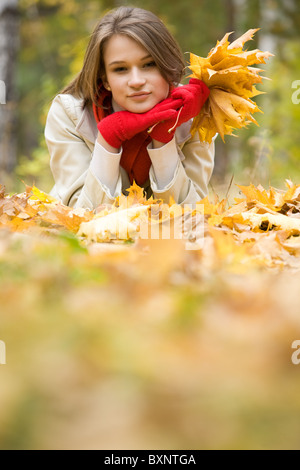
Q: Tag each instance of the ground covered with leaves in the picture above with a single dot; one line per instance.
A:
(131, 342)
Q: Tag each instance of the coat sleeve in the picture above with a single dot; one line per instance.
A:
(76, 185)
(192, 174)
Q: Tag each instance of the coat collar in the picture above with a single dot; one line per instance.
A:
(87, 125)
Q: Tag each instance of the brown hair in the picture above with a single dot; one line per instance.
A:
(142, 26)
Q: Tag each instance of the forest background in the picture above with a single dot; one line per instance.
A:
(45, 43)
(150, 345)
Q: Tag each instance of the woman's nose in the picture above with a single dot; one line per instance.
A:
(136, 79)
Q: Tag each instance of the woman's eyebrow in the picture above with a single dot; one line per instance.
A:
(124, 61)
(149, 56)
(117, 62)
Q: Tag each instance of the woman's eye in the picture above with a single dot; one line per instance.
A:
(124, 69)
(120, 69)
(150, 64)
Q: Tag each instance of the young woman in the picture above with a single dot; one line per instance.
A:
(126, 118)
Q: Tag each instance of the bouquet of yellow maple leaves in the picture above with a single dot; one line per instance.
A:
(228, 73)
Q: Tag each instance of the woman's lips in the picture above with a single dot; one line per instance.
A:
(139, 96)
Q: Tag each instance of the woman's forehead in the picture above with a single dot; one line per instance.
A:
(122, 48)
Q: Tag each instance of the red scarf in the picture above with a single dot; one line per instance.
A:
(135, 158)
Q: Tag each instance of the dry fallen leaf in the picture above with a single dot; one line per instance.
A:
(238, 236)
(36, 209)
(123, 224)
(121, 345)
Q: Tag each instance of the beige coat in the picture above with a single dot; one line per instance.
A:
(71, 134)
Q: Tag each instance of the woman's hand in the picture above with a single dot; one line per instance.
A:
(193, 97)
(123, 125)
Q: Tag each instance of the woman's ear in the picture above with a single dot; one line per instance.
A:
(106, 84)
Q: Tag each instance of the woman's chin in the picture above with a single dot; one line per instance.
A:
(139, 109)
(135, 107)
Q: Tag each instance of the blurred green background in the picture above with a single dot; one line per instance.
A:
(53, 35)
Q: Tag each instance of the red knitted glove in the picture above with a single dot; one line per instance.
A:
(123, 125)
(194, 96)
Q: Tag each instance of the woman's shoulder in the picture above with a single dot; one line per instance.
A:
(70, 104)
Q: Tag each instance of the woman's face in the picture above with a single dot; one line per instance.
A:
(132, 75)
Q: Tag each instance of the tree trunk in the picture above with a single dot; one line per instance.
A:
(223, 150)
(9, 42)
(230, 6)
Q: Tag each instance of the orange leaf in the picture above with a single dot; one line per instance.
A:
(228, 74)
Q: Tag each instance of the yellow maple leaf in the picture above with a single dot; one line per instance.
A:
(121, 224)
(40, 196)
(228, 74)
(136, 195)
(278, 221)
(258, 194)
